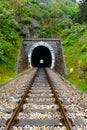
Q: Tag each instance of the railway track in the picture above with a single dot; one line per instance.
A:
(39, 106)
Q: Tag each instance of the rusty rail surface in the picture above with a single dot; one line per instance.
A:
(11, 121)
(66, 119)
(18, 108)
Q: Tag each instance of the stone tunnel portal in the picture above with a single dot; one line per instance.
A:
(41, 57)
(41, 53)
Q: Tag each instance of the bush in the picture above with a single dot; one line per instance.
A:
(74, 34)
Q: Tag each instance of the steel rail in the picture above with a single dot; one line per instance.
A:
(18, 108)
(66, 120)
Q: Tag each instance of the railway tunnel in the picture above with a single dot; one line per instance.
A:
(41, 57)
(41, 53)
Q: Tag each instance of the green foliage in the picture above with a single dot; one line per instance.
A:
(34, 1)
(6, 73)
(74, 34)
(47, 32)
(4, 50)
(71, 9)
(82, 13)
(64, 23)
(84, 48)
(76, 56)
(53, 19)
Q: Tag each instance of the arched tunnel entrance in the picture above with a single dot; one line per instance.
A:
(41, 57)
(41, 54)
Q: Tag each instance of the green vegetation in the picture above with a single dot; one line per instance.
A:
(52, 19)
(81, 16)
(76, 56)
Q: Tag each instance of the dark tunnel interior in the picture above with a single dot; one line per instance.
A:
(41, 57)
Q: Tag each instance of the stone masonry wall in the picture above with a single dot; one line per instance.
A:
(22, 62)
(26, 45)
(60, 66)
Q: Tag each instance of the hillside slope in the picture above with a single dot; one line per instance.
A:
(75, 47)
(43, 19)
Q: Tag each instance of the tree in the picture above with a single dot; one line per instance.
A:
(82, 14)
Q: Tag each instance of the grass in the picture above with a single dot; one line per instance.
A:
(76, 58)
(80, 83)
(6, 74)
(8, 68)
